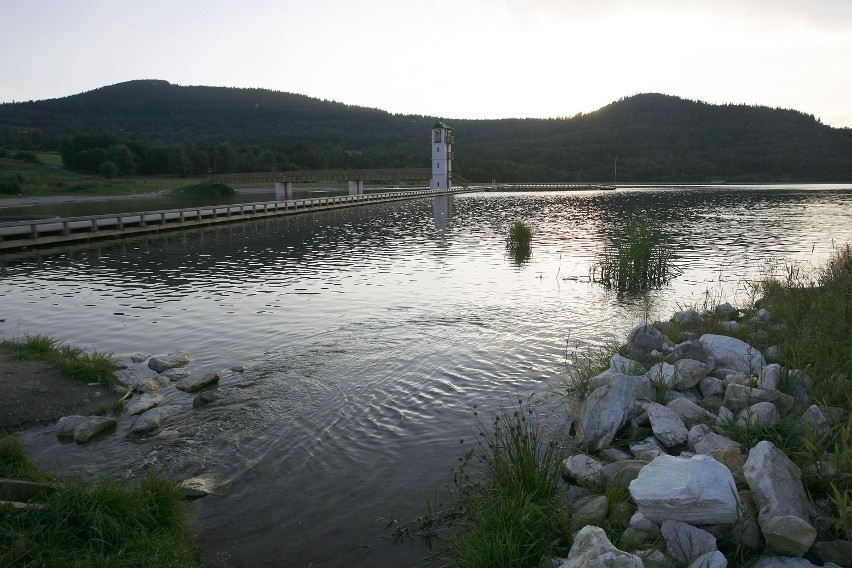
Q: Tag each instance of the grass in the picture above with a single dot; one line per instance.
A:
(73, 361)
(24, 178)
(14, 463)
(519, 242)
(638, 258)
(204, 188)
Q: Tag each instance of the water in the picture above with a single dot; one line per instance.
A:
(368, 334)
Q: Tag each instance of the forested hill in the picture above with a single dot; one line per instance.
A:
(151, 126)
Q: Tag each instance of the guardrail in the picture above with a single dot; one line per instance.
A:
(43, 232)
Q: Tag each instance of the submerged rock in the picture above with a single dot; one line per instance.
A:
(198, 381)
(161, 363)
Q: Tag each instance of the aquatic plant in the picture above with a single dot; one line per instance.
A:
(637, 258)
(73, 361)
(519, 242)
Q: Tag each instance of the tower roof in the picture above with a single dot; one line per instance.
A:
(440, 124)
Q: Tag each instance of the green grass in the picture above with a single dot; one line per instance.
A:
(637, 258)
(15, 464)
(519, 242)
(75, 362)
(22, 178)
(204, 188)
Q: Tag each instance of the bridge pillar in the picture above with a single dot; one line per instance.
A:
(283, 190)
(356, 187)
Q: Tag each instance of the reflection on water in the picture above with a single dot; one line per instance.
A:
(368, 332)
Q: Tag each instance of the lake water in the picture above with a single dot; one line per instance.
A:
(368, 333)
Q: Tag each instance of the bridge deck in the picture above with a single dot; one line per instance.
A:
(30, 233)
(402, 174)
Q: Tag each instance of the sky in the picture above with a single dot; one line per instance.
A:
(447, 58)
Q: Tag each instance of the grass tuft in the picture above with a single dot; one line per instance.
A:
(76, 363)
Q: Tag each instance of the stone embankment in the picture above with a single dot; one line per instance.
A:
(690, 484)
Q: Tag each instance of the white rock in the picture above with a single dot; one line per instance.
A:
(592, 548)
(624, 366)
(160, 363)
(759, 414)
(197, 381)
(770, 377)
(711, 386)
(732, 353)
(776, 483)
(690, 413)
(66, 425)
(648, 449)
(666, 425)
(685, 543)
(687, 317)
(790, 535)
(662, 373)
(713, 559)
(698, 490)
(689, 372)
(696, 434)
(584, 468)
(726, 311)
(726, 416)
(91, 427)
(713, 441)
(605, 410)
(144, 403)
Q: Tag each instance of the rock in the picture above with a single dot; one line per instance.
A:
(592, 548)
(66, 425)
(777, 487)
(643, 340)
(139, 357)
(696, 434)
(691, 349)
(698, 490)
(713, 441)
(740, 397)
(647, 450)
(93, 426)
(198, 381)
(772, 353)
(662, 373)
(761, 414)
(762, 316)
(605, 410)
(690, 413)
(653, 558)
(711, 386)
(614, 455)
(639, 529)
(770, 377)
(746, 531)
(733, 458)
(589, 511)
(202, 485)
(785, 562)
(150, 384)
(789, 535)
(178, 373)
(144, 403)
(726, 311)
(713, 559)
(837, 551)
(731, 326)
(687, 317)
(689, 372)
(624, 366)
(666, 425)
(685, 543)
(583, 468)
(152, 419)
(622, 472)
(732, 353)
(204, 398)
(160, 363)
(238, 368)
(725, 417)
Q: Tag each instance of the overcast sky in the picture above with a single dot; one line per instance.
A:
(446, 58)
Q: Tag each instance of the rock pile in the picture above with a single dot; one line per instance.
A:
(689, 482)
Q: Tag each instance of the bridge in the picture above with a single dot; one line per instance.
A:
(284, 180)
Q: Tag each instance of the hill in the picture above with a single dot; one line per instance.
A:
(152, 126)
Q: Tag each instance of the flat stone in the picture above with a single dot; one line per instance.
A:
(739, 397)
(150, 384)
(152, 419)
(177, 373)
(66, 425)
(583, 468)
(93, 426)
(198, 381)
(666, 425)
(144, 403)
(732, 353)
(592, 548)
(202, 485)
(685, 543)
(160, 363)
(698, 490)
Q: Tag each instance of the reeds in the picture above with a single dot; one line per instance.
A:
(519, 242)
(637, 258)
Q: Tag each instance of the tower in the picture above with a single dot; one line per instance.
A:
(442, 157)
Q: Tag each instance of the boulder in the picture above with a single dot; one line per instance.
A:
(622, 472)
(592, 548)
(624, 366)
(66, 425)
(150, 384)
(685, 543)
(689, 372)
(648, 449)
(776, 484)
(691, 349)
(152, 419)
(605, 410)
(690, 413)
(733, 458)
(583, 468)
(769, 377)
(161, 363)
(711, 386)
(837, 551)
(639, 529)
(204, 398)
(197, 381)
(666, 425)
(687, 317)
(91, 427)
(732, 353)
(698, 490)
(589, 511)
(713, 559)
(788, 534)
(178, 373)
(761, 414)
(696, 434)
(20, 490)
(143, 404)
(726, 311)
(713, 441)
(645, 343)
(662, 373)
(739, 397)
